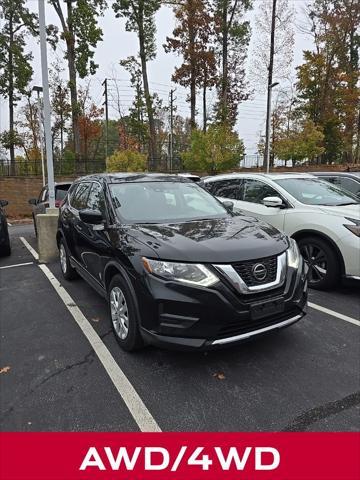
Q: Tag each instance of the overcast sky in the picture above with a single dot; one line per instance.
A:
(118, 44)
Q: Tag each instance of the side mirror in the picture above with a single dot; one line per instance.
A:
(93, 217)
(3, 203)
(228, 205)
(274, 202)
(33, 201)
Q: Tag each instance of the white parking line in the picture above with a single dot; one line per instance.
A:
(334, 314)
(29, 247)
(135, 405)
(17, 265)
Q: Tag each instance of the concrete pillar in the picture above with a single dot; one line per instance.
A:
(47, 225)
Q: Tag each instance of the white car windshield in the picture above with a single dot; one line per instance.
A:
(313, 191)
(164, 202)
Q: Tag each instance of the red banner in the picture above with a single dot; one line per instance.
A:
(180, 456)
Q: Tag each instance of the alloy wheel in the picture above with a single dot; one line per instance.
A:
(119, 313)
(63, 258)
(317, 261)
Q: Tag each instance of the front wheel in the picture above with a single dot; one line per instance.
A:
(323, 262)
(123, 314)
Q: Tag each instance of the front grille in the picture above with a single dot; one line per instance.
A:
(240, 327)
(245, 270)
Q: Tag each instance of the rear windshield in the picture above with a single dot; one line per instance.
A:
(164, 202)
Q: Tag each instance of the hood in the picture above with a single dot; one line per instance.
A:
(224, 240)
(352, 211)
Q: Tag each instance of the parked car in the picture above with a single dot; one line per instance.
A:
(322, 218)
(190, 176)
(178, 268)
(349, 181)
(5, 248)
(41, 203)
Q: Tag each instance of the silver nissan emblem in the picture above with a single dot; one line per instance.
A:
(259, 272)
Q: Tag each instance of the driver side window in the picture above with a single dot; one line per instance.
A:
(255, 191)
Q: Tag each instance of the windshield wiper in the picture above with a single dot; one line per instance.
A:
(344, 204)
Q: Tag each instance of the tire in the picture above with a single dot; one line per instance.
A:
(323, 262)
(35, 227)
(123, 314)
(69, 273)
(6, 251)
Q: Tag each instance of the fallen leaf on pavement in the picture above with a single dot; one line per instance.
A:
(219, 375)
(4, 369)
(96, 319)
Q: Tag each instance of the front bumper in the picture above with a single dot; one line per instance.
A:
(181, 317)
(349, 246)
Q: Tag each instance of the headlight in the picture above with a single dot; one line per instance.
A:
(293, 254)
(193, 274)
(353, 228)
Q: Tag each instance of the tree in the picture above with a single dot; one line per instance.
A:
(15, 67)
(192, 38)
(305, 143)
(126, 161)
(283, 44)
(216, 150)
(140, 18)
(90, 121)
(232, 39)
(328, 79)
(61, 108)
(81, 33)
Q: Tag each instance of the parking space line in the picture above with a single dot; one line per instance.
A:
(132, 400)
(334, 314)
(17, 265)
(30, 248)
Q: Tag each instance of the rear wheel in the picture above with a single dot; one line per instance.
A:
(123, 314)
(323, 262)
(69, 273)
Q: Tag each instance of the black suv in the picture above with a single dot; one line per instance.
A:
(5, 248)
(177, 266)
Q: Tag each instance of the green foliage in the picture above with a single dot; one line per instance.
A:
(126, 161)
(17, 22)
(219, 149)
(303, 144)
(140, 18)
(81, 26)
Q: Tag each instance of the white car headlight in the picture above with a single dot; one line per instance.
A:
(193, 274)
(293, 254)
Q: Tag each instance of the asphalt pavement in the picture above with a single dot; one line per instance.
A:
(52, 378)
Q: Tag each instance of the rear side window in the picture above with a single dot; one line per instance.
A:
(255, 191)
(78, 200)
(225, 188)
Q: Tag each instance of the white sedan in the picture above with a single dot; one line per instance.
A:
(322, 218)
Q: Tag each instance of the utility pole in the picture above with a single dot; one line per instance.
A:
(39, 107)
(105, 85)
(171, 149)
(46, 100)
(269, 88)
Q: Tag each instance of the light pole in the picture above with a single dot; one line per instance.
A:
(46, 100)
(38, 90)
(268, 125)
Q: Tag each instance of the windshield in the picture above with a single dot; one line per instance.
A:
(164, 202)
(313, 191)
